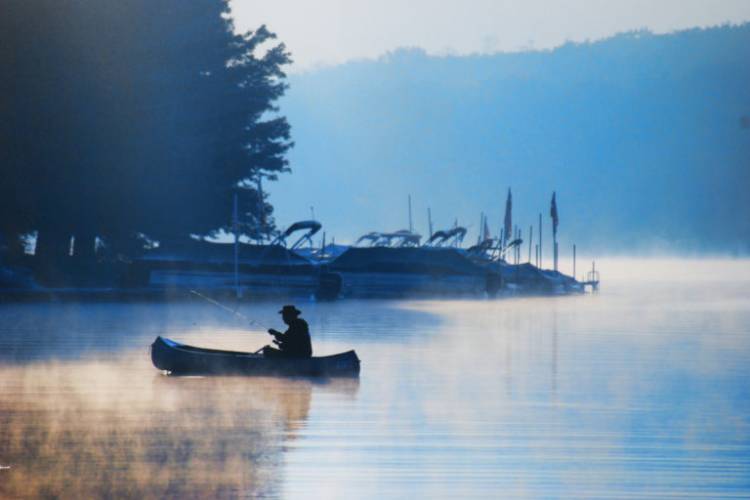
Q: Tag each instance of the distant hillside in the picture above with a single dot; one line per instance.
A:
(646, 139)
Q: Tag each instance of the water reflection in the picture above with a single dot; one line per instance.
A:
(89, 430)
(641, 391)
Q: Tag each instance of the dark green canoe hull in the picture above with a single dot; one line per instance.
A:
(180, 359)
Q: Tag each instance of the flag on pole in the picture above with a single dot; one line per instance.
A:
(508, 218)
(553, 214)
(480, 236)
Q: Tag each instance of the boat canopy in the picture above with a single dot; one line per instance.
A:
(439, 238)
(397, 239)
(311, 226)
(488, 245)
(372, 237)
(514, 243)
(402, 238)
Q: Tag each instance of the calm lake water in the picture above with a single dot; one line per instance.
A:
(640, 391)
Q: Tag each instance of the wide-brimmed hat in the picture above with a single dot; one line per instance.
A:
(291, 310)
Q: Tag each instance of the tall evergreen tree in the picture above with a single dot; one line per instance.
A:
(120, 118)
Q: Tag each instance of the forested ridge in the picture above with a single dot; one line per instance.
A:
(645, 138)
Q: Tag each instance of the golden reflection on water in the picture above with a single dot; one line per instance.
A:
(108, 430)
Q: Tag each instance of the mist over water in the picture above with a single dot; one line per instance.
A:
(640, 391)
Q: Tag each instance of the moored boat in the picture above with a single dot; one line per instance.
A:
(251, 270)
(395, 265)
(181, 359)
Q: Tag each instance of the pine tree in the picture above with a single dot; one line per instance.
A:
(129, 118)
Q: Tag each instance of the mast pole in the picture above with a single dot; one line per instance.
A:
(411, 226)
(518, 247)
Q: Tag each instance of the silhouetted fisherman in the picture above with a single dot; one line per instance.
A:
(295, 341)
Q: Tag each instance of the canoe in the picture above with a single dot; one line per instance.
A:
(183, 359)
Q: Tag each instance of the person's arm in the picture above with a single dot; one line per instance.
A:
(275, 333)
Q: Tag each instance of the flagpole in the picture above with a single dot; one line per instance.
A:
(540, 240)
(531, 236)
(555, 221)
(574, 261)
(481, 228)
(502, 247)
(555, 253)
(508, 220)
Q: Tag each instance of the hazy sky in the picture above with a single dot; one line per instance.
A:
(324, 32)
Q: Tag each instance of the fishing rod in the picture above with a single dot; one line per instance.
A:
(229, 309)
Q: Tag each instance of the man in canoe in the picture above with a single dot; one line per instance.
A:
(295, 341)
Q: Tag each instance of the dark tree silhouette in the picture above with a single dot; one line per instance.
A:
(129, 118)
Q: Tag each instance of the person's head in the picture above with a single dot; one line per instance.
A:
(289, 313)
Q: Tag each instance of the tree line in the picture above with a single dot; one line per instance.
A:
(131, 121)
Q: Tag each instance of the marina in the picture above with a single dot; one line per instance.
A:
(378, 265)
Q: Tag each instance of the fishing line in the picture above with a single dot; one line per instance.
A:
(236, 313)
(229, 309)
